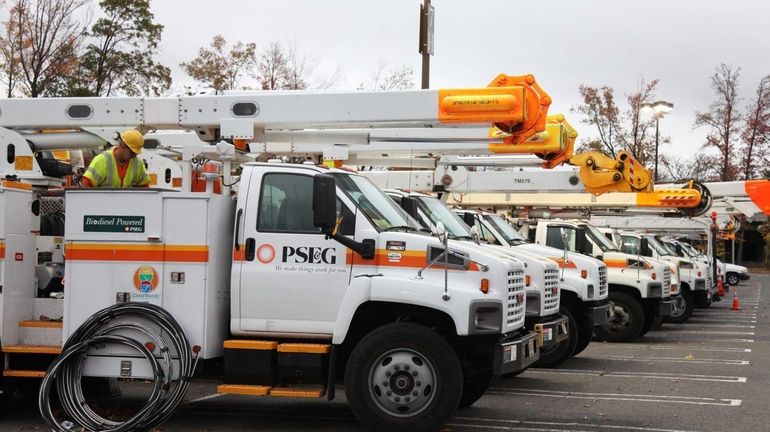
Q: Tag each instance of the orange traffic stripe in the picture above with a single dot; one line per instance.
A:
(250, 344)
(136, 252)
(23, 373)
(616, 263)
(298, 392)
(2, 249)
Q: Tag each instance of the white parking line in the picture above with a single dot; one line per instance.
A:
(679, 360)
(571, 426)
(707, 332)
(685, 347)
(624, 374)
(729, 326)
(713, 321)
(616, 397)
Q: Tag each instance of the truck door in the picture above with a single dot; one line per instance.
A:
(292, 279)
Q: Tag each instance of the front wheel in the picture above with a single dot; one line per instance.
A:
(585, 332)
(403, 377)
(683, 309)
(556, 354)
(732, 278)
(474, 387)
(627, 319)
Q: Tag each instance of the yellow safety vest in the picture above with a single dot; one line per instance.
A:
(103, 172)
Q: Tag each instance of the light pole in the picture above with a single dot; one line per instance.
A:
(660, 108)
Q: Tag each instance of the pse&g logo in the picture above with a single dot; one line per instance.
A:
(297, 254)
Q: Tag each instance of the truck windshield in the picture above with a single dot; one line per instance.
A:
(659, 248)
(437, 212)
(691, 250)
(378, 207)
(598, 237)
(672, 248)
(506, 230)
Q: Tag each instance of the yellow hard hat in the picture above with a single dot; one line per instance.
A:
(133, 139)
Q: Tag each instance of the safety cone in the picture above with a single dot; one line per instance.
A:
(720, 287)
(736, 303)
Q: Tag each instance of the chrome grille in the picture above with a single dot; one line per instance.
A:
(666, 282)
(602, 281)
(516, 298)
(551, 294)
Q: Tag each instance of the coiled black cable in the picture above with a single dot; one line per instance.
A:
(168, 390)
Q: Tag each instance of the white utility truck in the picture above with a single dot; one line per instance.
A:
(556, 332)
(688, 274)
(307, 277)
(582, 279)
(639, 288)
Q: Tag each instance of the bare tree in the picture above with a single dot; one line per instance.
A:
(301, 69)
(723, 119)
(384, 79)
(49, 37)
(272, 68)
(9, 55)
(221, 69)
(637, 140)
(700, 167)
(756, 132)
(619, 129)
(600, 110)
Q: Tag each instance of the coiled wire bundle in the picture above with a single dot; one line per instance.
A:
(169, 386)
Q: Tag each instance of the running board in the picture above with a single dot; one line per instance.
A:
(313, 392)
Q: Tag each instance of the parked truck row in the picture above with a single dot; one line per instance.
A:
(291, 278)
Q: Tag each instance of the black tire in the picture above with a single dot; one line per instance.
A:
(558, 354)
(585, 332)
(733, 279)
(627, 320)
(414, 359)
(474, 388)
(651, 322)
(684, 310)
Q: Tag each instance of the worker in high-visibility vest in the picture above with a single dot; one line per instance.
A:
(119, 167)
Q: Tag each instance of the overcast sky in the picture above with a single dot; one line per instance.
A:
(563, 43)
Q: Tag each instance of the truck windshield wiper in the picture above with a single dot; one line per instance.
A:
(401, 227)
(461, 237)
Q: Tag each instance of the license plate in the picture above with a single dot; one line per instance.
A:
(509, 353)
(547, 334)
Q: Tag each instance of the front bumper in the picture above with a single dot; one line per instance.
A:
(514, 354)
(744, 276)
(665, 308)
(551, 331)
(600, 313)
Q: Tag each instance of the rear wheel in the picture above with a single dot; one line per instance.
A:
(627, 319)
(403, 377)
(683, 308)
(555, 355)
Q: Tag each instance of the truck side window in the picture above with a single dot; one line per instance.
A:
(553, 238)
(286, 204)
(630, 245)
(486, 235)
(348, 225)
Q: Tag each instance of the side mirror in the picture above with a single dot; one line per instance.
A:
(581, 243)
(324, 202)
(644, 247)
(475, 234)
(440, 231)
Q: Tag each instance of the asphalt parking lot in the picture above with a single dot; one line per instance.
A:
(710, 374)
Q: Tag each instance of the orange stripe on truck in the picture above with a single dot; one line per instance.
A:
(2, 249)
(136, 252)
(616, 263)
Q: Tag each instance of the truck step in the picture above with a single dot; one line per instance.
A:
(41, 324)
(304, 348)
(247, 390)
(250, 344)
(32, 349)
(16, 373)
(307, 391)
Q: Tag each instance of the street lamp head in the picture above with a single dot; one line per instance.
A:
(663, 107)
(646, 108)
